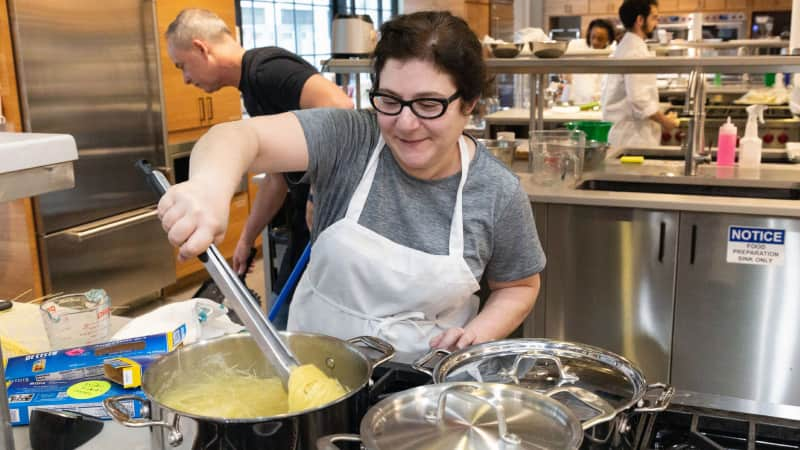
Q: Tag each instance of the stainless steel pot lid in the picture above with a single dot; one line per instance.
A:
(475, 416)
(542, 365)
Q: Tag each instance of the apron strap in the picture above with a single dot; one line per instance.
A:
(359, 198)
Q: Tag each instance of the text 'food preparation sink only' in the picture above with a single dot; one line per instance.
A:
(788, 192)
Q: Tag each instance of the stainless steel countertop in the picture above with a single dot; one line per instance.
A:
(768, 175)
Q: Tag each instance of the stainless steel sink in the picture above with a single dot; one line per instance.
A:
(695, 186)
(674, 153)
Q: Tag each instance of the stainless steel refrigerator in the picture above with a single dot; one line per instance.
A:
(90, 69)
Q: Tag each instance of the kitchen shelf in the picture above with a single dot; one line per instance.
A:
(662, 64)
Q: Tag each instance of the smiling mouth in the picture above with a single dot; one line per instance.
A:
(410, 141)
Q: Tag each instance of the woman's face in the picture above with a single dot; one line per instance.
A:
(424, 148)
(599, 37)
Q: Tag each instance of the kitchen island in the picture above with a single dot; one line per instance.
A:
(693, 278)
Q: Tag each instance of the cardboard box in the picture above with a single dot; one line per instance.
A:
(127, 372)
(86, 362)
(85, 396)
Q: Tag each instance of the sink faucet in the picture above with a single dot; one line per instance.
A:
(693, 148)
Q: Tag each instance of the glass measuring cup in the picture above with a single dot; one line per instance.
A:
(556, 157)
(73, 320)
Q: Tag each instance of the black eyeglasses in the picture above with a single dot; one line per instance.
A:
(424, 108)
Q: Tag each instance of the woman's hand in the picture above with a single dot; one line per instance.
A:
(194, 214)
(454, 339)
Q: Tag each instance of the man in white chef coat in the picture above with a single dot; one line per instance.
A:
(630, 101)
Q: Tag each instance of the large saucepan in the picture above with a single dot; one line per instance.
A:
(297, 431)
(544, 365)
(468, 416)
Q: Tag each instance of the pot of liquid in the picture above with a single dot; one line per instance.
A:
(222, 394)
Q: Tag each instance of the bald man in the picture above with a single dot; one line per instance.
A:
(272, 80)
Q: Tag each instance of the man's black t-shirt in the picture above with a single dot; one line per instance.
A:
(272, 81)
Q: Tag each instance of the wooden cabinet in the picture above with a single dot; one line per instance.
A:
(770, 5)
(19, 263)
(604, 7)
(567, 7)
(477, 14)
(240, 208)
(689, 5)
(667, 6)
(187, 108)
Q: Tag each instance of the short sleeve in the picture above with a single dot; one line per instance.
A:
(282, 80)
(517, 252)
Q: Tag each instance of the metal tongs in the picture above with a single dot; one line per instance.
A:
(241, 301)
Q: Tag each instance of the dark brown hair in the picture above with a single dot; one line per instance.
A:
(441, 38)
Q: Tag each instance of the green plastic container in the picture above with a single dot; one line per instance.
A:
(595, 131)
(769, 79)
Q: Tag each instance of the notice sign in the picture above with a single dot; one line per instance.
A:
(750, 245)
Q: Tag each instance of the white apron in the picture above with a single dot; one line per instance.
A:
(632, 133)
(360, 283)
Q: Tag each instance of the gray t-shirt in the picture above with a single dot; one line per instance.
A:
(500, 236)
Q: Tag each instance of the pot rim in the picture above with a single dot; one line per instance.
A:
(507, 346)
(246, 335)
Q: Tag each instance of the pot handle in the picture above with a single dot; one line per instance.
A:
(328, 442)
(419, 364)
(563, 374)
(605, 412)
(661, 403)
(114, 408)
(471, 393)
(379, 345)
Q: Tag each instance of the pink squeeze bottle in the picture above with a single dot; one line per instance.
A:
(726, 144)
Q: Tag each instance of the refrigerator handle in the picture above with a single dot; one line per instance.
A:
(106, 228)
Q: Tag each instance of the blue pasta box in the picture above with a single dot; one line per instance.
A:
(86, 362)
(83, 396)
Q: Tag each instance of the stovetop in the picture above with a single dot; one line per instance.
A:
(781, 112)
(679, 428)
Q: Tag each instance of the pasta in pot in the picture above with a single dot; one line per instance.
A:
(238, 394)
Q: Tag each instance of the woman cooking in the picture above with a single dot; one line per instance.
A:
(410, 213)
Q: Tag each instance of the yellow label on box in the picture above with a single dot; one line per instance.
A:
(88, 389)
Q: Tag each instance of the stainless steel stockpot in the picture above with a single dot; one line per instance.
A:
(545, 365)
(466, 416)
(169, 427)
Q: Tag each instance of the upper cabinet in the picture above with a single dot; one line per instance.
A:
(770, 5)
(188, 109)
(604, 7)
(567, 7)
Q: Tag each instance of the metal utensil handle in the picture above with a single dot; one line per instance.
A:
(379, 345)
(605, 412)
(241, 301)
(419, 364)
(113, 406)
(563, 374)
(661, 403)
(471, 393)
(328, 442)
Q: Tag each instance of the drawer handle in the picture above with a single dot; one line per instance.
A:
(210, 108)
(661, 242)
(694, 243)
(202, 108)
(83, 235)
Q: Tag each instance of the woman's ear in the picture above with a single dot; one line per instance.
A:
(469, 107)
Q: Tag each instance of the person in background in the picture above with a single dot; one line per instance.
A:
(588, 87)
(272, 80)
(630, 101)
(410, 213)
